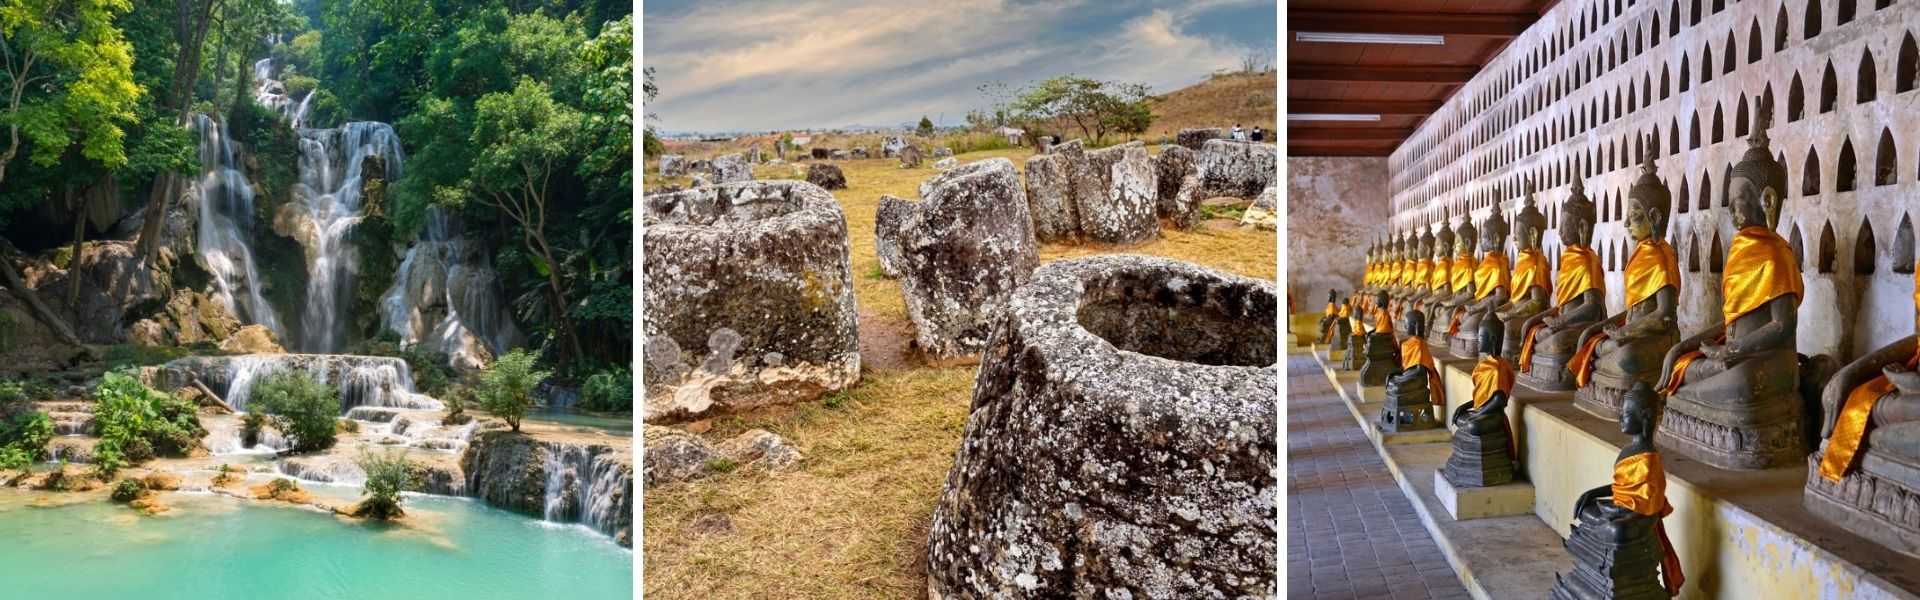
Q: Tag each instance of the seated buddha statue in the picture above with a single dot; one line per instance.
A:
(1619, 541)
(1341, 331)
(1532, 281)
(1628, 347)
(1440, 277)
(1734, 389)
(1327, 318)
(1492, 286)
(1483, 450)
(1381, 353)
(1579, 300)
(1414, 390)
(1358, 328)
(1425, 285)
(1398, 269)
(1447, 308)
(1421, 248)
(1870, 432)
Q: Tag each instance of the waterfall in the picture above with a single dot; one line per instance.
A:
(584, 486)
(446, 296)
(331, 161)
(224, 247)
(377, 381)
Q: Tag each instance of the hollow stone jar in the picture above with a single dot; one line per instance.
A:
(1120, 441)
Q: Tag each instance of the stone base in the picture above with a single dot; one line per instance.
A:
(1387, 437)
(1609, 569)
(1866, 504)
(1464, 503)
(1465, 345)
(1336, 356)
(1548, 373)
(1368, 394)
(1600, 398)
(1775, 442)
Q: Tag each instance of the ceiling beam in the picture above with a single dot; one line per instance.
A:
(1310, 150)
(1363, 107)
(1354, 134)
(1499, 25)
(1427, 74)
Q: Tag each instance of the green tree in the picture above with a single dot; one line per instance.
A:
(506, 388)
(926, 127)
(302, 408)
(1094, 107)
(72, 49)
(388, 473)
(192, 20)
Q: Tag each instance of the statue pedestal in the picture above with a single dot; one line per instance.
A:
(1867, 503)
(1304, 327)
(1602, 396)
(1337, 356)
(1548, 373)
(1465, 503)
(1367, 394)
(1419, 436)
(1768, 437)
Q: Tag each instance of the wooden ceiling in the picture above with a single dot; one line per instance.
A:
(1403, 83)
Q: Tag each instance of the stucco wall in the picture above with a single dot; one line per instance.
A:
(1335, 206)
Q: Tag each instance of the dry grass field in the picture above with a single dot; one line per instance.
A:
(850, 520)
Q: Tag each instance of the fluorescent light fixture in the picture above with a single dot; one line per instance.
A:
(1369, 38)
(1331, 117)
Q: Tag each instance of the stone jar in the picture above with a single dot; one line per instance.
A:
(749, 298)
(1120, 440)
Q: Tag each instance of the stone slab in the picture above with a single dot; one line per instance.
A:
(1468, 503)
(1382, 437)
(1364, 394)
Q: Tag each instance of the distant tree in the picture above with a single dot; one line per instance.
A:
(73, 49)
(652, 146)
(1094, 107)
(926, 127)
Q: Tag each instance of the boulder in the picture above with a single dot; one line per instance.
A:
(699, 181)
(892, 213)
(751, 302)
(1195, 139)
(674, 455)
(1121, 437)
(1238, 169)
(891, 145)
(673, 165)
(1049, 197)
(820, 153)
(860, 152)
(942, 152)
(826, 176)
(963, 248)
(840, 155)
(732, 168)
(909, 157)
(946, 163)
(1115, 196)
(753, 155)
(701, 166)
(1173, 166)
(1262, 214)
(252, 339)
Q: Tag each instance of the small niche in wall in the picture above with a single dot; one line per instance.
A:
(1693, 254)
(1796, 100)
(1886, 161)
(1799, 246)
(1908, 66)
(1812, 27)
(1848, 170)
(1828, 255)
(1864, 249)
(1810, 181)
(1829, 89)
(1868, 86)
(1903, 246)
(1718, 259)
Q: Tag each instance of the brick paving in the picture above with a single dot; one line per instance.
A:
(1351, 532)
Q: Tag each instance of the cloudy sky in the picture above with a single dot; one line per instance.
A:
(745, 65)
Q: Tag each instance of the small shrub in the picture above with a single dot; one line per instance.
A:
(302, 409)
(24, 438)
(506, 388)
(608, 391)
(388, 472)
(136, 423)
(128, 490)
(721, 465)
(281, 485)
(250, 426)
(837, 400)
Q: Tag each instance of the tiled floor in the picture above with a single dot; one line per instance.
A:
(1351, 533)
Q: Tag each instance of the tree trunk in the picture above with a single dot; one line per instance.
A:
(193, 20)
(79, 235)
(40, 310)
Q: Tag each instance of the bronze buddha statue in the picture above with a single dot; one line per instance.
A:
(1445, 319)
(1414, 392)
(1431, 280)
(1734, 398)
(1483, 446)
(1532, 279)
(1870, 432)
(1628, 347)
(1619, 543)
(1549, 338)
(1492, 285)
(1381, 352)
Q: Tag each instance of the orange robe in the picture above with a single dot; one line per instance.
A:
(1579, 271)
(1760, 267)
(1414, 353)
(1494, 374)
(1640, 485)
(1654, 266)
(1850, 429)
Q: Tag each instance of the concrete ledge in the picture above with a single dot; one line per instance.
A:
(1383, 437)
(1467, 503)
(1369, 393)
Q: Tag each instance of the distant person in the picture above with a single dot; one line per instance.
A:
(1238, 134)
(1259, 134)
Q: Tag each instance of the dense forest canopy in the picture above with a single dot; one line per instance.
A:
(515, 116)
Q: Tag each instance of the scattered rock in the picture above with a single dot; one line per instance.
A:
(1195, 139)
(891, 146)
(942, 152)
(892, 213)
(759, 448)
(673, 165)
(732, 168)
(946, 163)
(1174, 166)
(1261, 214)
(839, 155)
(827, 176)
(673, 455)
(751, 297)
(1121, 437)
(698, 181)
(1238, 169)
(283, 490)
(860, 152)
(909, 157)
(820, 153)
(1050, 198)
(161, 481)
(963, 249)
(252, 339)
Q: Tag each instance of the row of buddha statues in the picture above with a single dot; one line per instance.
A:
(1736, 394)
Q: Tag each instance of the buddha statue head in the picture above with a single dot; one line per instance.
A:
(1465, 236)
(1425, 244)
(1636, 409)
(1380, 299)
(1757, 183)
(1443, 241)
(1531, 225)
(1493, 232)
(1416, 323)
(1649, 204)
(1577, 218)
(1492, 333)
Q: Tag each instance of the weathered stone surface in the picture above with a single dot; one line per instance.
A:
(1120, 440)
(753, 155)
(674, 455)
(909, 157)
(860, 152)
(732, 168)
(827, 176)
(946, 163)
(963, 249)
(750, 298)
(942, 152)
(820, 153)
(1115, 196)
(1172, 168)
(1049, 198)
(1195, 139)
(840, 155)
(673, 165)
(699, 181)
(891, 215)
(891, 145)
(1263, 213)
(1238, 169)
(252, 339)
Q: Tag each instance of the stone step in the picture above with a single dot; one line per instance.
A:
(72, 423)
(65, 406)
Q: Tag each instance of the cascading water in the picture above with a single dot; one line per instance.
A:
(584, 486)
(331, 167)
(224, 247)
(446, 297)
(375, 381)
